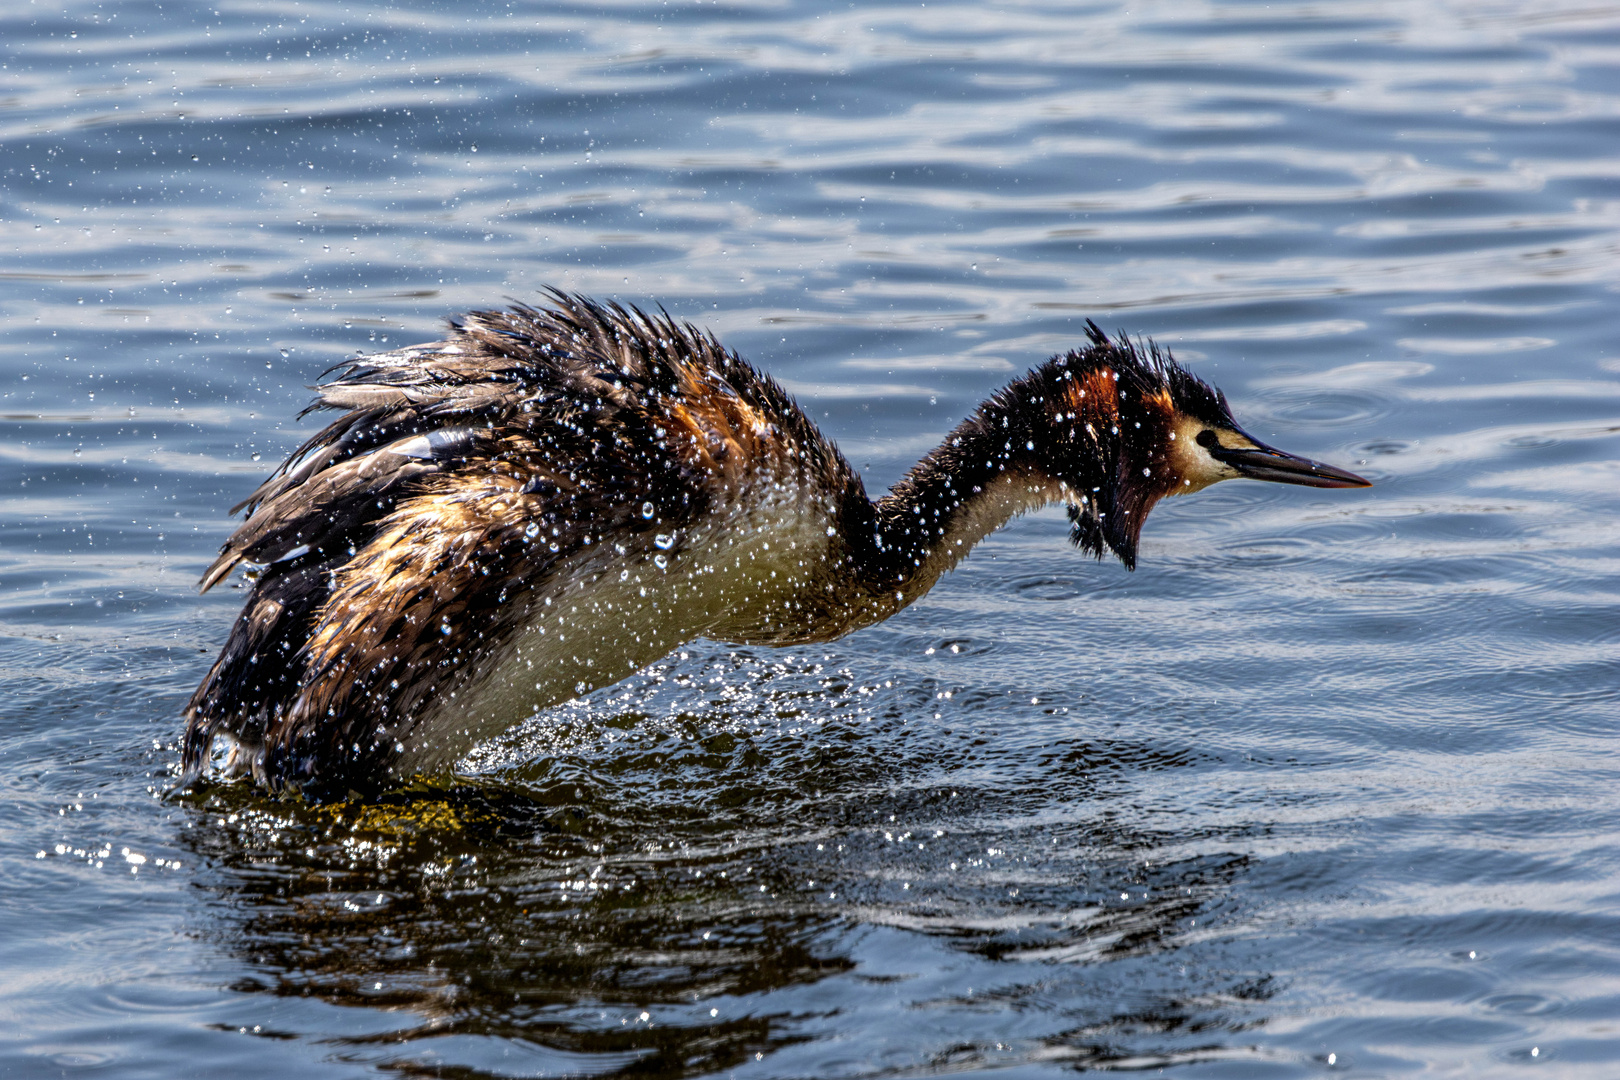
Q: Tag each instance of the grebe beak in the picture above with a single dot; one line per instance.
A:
(1262, 462)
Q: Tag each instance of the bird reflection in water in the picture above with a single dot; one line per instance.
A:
(683, 909)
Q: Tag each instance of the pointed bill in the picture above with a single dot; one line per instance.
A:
(1262, 462)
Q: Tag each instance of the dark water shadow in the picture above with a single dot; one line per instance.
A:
(670, 911)
(477, 910)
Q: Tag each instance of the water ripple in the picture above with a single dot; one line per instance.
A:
(1324, 784)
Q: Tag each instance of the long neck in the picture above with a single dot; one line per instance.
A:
(985, 473)
(1073, 431)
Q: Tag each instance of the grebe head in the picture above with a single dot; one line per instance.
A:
(1123, 425)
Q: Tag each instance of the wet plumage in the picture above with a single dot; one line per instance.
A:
(551, 498)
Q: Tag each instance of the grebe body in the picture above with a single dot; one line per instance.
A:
(551, 498)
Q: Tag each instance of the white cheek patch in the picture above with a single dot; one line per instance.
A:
(1195, 469)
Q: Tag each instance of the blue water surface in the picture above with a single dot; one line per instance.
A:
(1327, 786)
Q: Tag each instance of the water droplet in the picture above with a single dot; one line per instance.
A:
(664, 541)
(661, 562)
(531, 531)
(256, 455)
(646, 509)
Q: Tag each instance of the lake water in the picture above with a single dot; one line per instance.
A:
(1327, 786)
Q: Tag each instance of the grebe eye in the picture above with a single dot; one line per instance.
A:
(1207, 439)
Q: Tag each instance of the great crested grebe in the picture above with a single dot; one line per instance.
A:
(549, 499)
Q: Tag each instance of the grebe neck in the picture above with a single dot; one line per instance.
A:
(985, 473)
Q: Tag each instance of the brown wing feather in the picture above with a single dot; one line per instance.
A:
(409, 619)
(325, 508)
(571, 417)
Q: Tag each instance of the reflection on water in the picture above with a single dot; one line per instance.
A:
(474, 916)
(641, 903)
